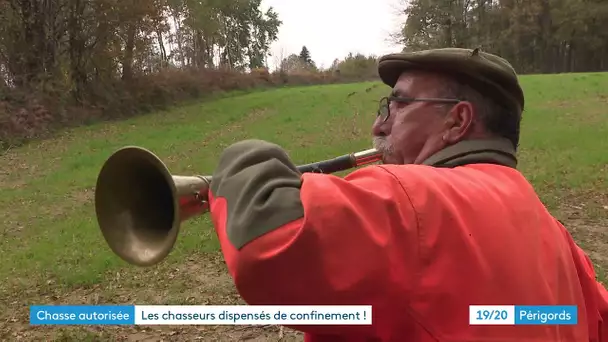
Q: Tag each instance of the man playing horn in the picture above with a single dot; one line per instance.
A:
(446, 221)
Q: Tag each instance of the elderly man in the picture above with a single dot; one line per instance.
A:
(446, 222)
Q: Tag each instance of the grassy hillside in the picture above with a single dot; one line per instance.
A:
(53, 252)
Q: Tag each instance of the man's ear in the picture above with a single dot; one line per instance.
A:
(459, 122)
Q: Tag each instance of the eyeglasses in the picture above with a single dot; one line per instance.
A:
(384, 111)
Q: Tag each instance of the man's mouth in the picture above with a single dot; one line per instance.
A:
(382, 146)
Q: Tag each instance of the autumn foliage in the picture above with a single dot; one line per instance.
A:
(73, 62)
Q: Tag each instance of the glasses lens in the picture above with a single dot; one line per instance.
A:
(383, 109)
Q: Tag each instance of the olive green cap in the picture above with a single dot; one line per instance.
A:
(489, 74)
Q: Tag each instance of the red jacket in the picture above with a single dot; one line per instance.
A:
(418, 243)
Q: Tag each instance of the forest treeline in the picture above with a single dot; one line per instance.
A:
(71, 62)
(536, 36)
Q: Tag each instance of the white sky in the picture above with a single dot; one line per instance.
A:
(331, 29)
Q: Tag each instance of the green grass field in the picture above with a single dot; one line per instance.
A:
(53, 252)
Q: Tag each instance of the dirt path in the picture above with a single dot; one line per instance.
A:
(202, 280)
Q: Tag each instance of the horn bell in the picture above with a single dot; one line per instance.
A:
(140, 205)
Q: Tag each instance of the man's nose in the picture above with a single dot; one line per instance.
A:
(379, 128)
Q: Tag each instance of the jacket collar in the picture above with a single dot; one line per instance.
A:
(483, 151)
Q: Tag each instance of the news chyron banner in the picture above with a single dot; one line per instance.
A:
(199, 315)
(276, 315)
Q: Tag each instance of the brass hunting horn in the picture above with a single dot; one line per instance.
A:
(140, 205)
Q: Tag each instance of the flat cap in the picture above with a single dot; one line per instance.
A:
(489, 74)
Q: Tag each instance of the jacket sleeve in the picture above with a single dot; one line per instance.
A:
(312, 239)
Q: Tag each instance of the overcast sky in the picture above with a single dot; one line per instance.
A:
(332, 28)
